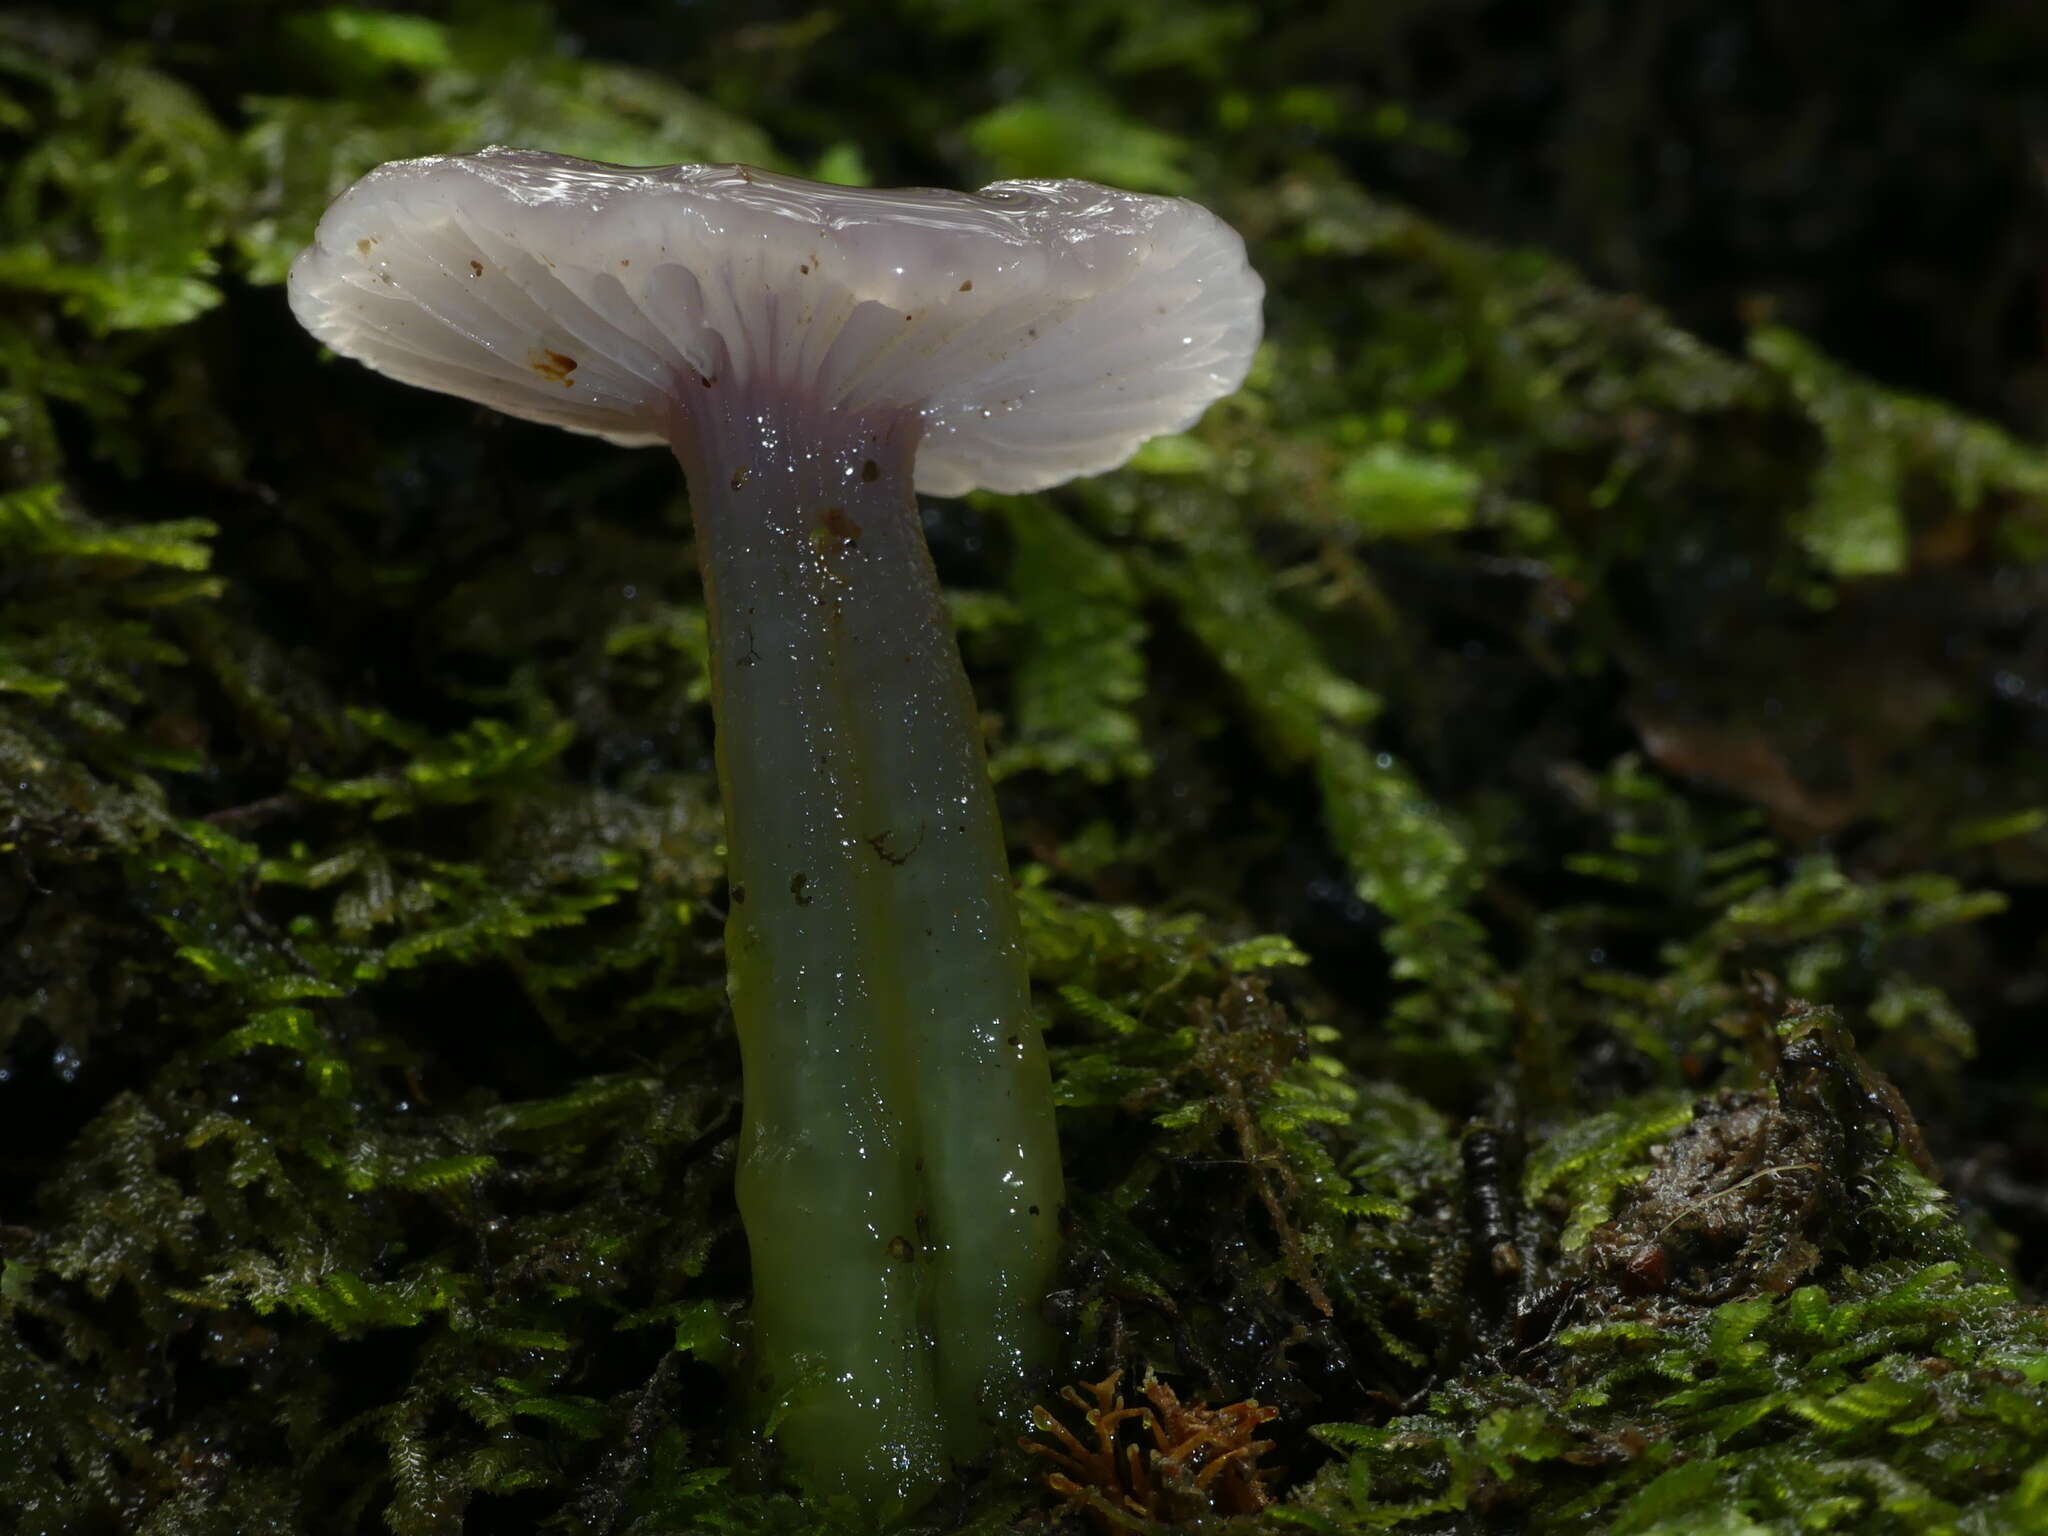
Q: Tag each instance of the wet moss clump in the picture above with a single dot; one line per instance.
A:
(1531, 826)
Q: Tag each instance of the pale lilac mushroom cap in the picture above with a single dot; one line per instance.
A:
(1043, 330)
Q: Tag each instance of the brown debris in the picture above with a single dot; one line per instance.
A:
(1199, 1460)
(1752, 1195)
(1734, 1205)
(1746, 762)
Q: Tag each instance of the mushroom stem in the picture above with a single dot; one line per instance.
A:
(899, 1178)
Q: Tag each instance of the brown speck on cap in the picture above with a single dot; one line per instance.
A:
(556, 367)
(1118, 316)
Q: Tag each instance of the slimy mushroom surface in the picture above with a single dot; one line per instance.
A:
(1040, 330)
(812, 355)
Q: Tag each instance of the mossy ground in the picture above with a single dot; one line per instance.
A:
(1532, 830)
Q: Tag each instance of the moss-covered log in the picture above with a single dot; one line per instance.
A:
(1531, 826)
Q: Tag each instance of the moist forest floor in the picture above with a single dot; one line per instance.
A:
(1532, 819)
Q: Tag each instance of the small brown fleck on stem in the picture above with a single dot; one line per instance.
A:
(476, 269)
(836, 524)
(739, 895)
(882, 843)
(833, 537)
(741, 476)
(870, 471)
(968, 286)
(804, 267)
(799, 887)
(902, 1250)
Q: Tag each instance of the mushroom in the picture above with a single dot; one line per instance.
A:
(811, 353)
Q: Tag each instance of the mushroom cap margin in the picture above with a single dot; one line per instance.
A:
(1043, 329)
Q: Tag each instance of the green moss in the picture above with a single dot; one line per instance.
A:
(1458, 833)
(1080, 666)
(1801, 1412)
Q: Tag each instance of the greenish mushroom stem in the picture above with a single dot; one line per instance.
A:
(899, 1176)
